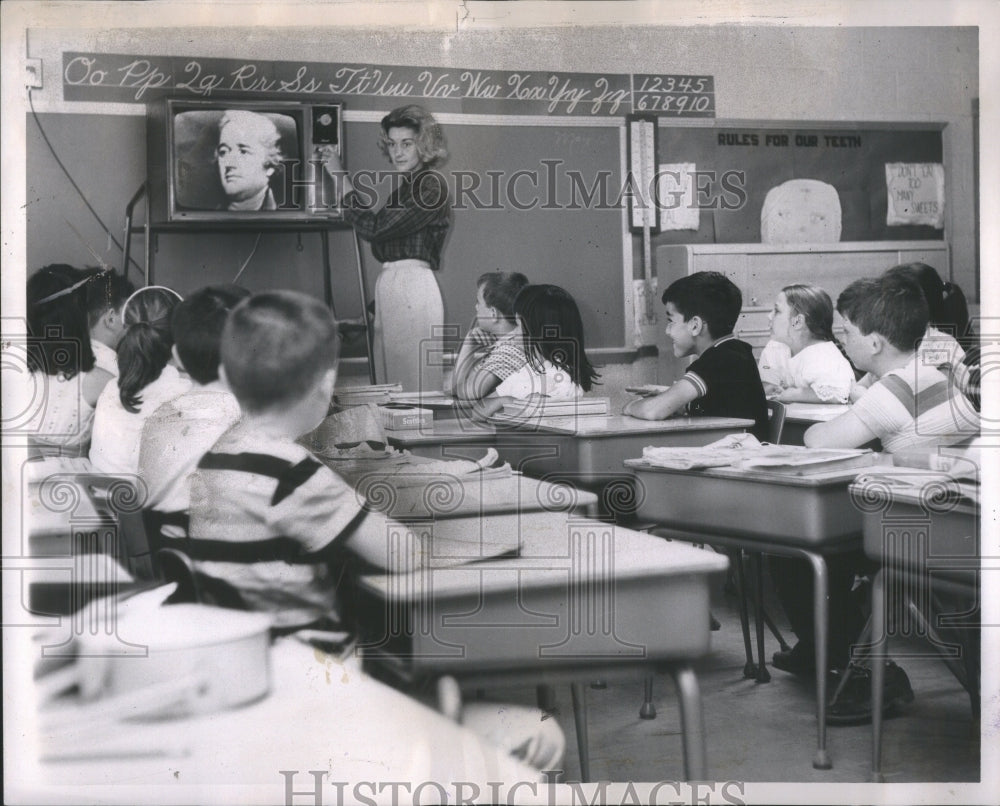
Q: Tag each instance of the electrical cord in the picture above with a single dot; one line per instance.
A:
(76, 187)
(246, 262)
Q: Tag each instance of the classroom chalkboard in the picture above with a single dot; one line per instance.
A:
(521, 202)
(851, 158)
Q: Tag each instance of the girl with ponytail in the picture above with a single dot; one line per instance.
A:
(147, 378)
(816, 371)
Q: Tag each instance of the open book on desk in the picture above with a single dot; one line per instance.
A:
(444, 552)
(781, 459)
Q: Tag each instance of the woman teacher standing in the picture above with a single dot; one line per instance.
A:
(407, 235)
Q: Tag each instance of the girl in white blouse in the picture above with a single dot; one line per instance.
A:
(557, 367)
(815, 371)
(146, 379)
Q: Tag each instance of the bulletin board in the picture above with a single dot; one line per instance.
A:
(851, 158)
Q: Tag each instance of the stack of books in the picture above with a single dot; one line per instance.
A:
(377, 394)
(543, 407)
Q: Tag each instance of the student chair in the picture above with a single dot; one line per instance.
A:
(776, 413)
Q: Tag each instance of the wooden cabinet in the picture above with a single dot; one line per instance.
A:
(762, 270)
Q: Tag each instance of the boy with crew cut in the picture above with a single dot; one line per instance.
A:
(912, 406)
(275, 523)
(180, 431)
(723, 380)
(266, 515)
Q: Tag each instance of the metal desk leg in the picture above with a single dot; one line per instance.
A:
(878, 669)
(763, 676)
(692, 722)
(736, 558)
(648, 709)
(580, 717)
(821, 608)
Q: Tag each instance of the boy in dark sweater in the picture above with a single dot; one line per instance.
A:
(723, 380)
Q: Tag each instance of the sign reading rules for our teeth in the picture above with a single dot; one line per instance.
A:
(915, 192)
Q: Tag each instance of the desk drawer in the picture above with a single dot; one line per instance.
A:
(802, 515)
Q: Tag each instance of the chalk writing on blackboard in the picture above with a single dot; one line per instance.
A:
(121, 78)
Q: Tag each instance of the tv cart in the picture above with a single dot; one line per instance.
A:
(346, 326)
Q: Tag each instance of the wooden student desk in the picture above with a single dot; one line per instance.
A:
(925, 536)
(583, 600)
(589, 451)
(321, 714)
(445, 439)
(800, 416)
(801, 516)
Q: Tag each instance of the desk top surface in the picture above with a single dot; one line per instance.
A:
(830, 478)
(443, 432)
(814, 412)
(550, 547)
(320, 709)
(613, 425)
(473, 495)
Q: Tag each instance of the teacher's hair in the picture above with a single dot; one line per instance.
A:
(431, 145)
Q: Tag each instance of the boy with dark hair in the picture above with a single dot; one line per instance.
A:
(107, 291)
(912, 405)
(723, 381)
(180, 431)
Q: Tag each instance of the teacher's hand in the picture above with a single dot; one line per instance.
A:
(335, 167)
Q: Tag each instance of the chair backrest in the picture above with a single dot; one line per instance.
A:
(120, 497)
(775, 421)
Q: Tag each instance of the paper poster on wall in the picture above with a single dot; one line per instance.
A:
(676, 196)
(915, 192)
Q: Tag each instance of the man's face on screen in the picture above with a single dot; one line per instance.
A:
(242, 157)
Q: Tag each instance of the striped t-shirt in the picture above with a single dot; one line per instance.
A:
(917, 407)
(264, 511)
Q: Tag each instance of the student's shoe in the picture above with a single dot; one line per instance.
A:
(800, 659)
(853, 705)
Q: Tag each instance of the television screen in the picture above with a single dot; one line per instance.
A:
(240, 160)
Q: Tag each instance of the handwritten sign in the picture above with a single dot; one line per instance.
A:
(119, 78)
(915, 193)
(675, 194)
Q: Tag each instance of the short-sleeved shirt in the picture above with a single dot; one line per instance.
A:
(822, 368)
(773, 362)
(506, 355)
(546, 379)
(117, 432)
(174, 439)
(728, 384)
(264, 514)
(104, 357)
(916, 407)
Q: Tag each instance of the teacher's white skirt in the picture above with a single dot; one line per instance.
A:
(409, 317)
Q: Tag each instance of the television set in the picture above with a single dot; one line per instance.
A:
(232, 160)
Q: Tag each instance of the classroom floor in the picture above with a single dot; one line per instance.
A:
(767, 732)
